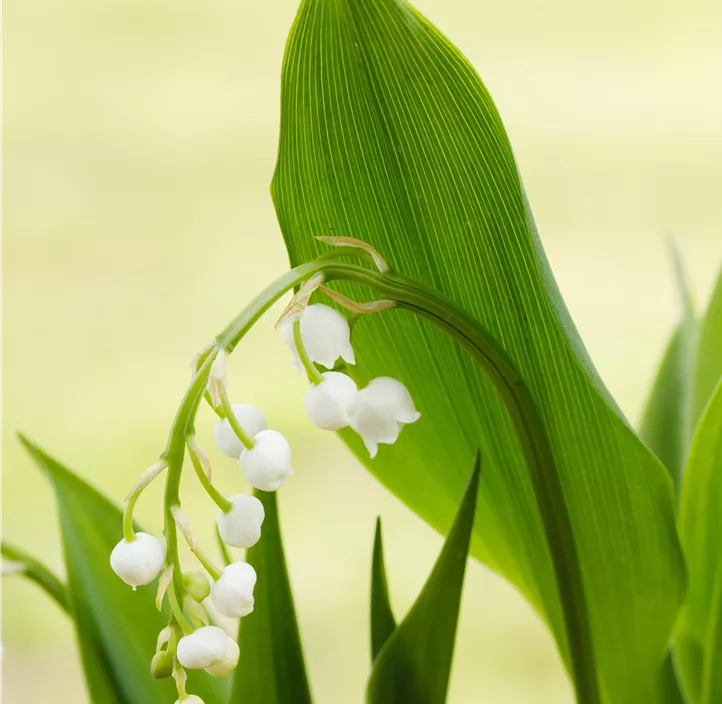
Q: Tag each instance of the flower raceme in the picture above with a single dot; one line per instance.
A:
(316, 334)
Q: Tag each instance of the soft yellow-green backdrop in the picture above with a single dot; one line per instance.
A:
(140, 140)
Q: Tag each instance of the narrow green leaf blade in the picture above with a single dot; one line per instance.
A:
(415, 664)
(37, 572)
(712, 672)
(668, 686)
(700, 528)
(383, 623)
(116, 627)
(271, 667)
(388, 135)
(666, 424)
(709, 353)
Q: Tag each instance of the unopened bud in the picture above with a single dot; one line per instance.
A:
(196, 584)
(161, 665)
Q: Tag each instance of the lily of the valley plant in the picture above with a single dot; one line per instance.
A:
(425, 316)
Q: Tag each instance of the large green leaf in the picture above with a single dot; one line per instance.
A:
(388, 135)
(271, 669)
(116, 627)
(414, 665)
(700, 528)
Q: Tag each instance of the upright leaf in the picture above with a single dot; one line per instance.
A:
(383, 623)
(116, 627)
(666, 424)
(700, 528)
(37, 572)
(270, 669)
(709, 353)
(414, 665)
(388, 135)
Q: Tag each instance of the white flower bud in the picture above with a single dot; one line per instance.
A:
(325, 334)
(250, 418)
(232, 592)
(329, 403)
(190, 699)
(381, 410)
(203, 648)
(241, 526)
(228, 663)
(267, 465)
(138, 562)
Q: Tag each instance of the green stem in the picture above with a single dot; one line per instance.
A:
(243, 436)
(221, 501)
(37, 572)
(314, 375)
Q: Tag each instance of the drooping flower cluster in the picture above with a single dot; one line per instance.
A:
(320, 335)
(377, 412)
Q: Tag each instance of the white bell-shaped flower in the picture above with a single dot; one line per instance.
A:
(250, 418)
(325, 334)
(329, 403)
(205, 647)
(232, 592)
(267, 465)
(381, 410)
(228, 663)
(241, 526)
(190, 699)
(138, 562)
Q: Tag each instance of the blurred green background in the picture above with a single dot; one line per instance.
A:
(140, 139)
